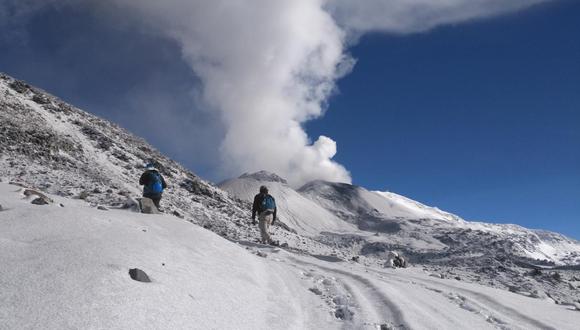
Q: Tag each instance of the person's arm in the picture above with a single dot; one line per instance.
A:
(143, 179)
(254, 208)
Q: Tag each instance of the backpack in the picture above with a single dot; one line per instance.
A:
(268, 204)
(155, 185)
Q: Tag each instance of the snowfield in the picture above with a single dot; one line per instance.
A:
(66, 267)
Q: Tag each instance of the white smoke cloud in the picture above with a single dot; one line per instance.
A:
(268, 66)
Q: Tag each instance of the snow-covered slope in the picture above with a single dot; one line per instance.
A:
(66, 265)
(53, 146)
(298, 212)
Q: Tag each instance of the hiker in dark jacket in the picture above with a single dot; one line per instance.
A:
(265, 207)
(153, 184)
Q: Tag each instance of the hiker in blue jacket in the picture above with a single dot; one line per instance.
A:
(265, 207)
(153, 184)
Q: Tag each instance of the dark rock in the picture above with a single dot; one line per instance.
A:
(343, 313)
(1, 207)
(39, 201)
(196, 187)
(139, 275)
(316, 291)
(177, 214)
(97, 191)
(19, 86)
(102, 208)
(355, 258)
(284, 245)
(40, 99)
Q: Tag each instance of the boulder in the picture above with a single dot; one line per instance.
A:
(41, 199)
(394, 260)
(147, 206)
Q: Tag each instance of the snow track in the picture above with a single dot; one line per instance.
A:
(410, 299)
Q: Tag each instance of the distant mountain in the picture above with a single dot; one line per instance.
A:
(297, 211)
(377, 222)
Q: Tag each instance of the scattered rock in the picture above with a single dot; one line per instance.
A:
(355, 258)
(102, 208)
(177, 214)
(316, 291)
(19, 86)
(61, 204)
(84, 194)
(97, 191)
(343, 313)
(458, 278)
(40, 99)
(39, 201)
(39, 195)
(131, 204)
(147, 206)
(139, 275)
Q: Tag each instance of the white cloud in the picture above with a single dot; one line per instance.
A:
(267, 66)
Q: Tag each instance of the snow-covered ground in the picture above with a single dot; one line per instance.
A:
(66, 265)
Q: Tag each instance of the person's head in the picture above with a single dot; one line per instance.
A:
(263, 190)
(150, 167)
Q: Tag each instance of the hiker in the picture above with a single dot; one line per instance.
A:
(265, 207)
(153, 184)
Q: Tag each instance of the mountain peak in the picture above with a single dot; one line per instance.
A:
(264, 176)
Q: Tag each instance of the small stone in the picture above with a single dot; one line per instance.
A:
(284, 245)
(61, 204)
(139, 275)
(97, 191)
(261, 254)
(102, 208)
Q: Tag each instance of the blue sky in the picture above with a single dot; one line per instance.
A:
(481, 119)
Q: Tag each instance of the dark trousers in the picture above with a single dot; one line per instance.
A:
(156, 198)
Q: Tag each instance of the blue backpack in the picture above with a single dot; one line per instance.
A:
(268, 203)
(155, 186)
